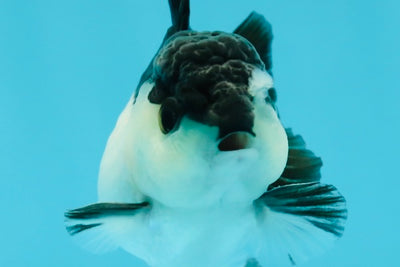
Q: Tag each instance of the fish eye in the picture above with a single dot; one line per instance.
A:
(167, 120)
(169, 115)
(271, 97)
(272, 94)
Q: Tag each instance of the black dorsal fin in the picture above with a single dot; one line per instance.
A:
(258, 31)
(180, 12)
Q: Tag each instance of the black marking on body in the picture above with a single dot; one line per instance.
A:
(205, 75)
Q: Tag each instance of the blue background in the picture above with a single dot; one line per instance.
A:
(67, 68)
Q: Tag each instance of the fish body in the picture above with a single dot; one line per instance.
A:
(199, 170)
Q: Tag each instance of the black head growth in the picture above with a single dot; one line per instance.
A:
(205, 75)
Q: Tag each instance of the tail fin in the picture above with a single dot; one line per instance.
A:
(99, 227)
(300, 220)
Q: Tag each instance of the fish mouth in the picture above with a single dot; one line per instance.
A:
(235, 141)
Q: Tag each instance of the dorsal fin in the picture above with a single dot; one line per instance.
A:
(258, 31)
(180, 12)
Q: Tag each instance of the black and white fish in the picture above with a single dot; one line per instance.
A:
(199, 170)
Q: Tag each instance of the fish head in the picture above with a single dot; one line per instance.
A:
(206, 126)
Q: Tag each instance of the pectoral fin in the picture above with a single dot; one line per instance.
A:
(300, 220)
(99, 227)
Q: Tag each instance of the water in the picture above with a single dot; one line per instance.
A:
(67, 69)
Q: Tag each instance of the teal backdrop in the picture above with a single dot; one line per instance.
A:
(67, 68)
